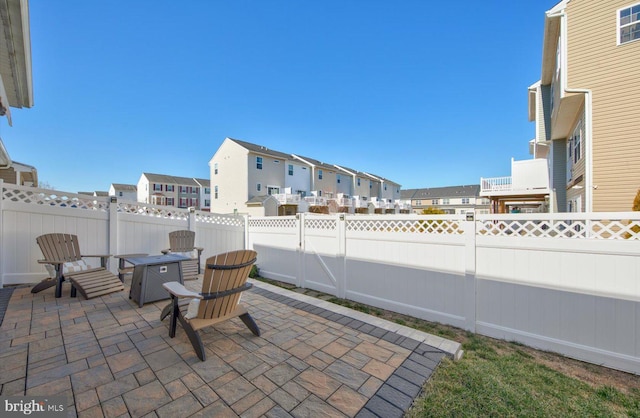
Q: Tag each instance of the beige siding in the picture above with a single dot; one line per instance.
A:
(612, 73)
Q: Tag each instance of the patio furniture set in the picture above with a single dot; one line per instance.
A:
(158, 277)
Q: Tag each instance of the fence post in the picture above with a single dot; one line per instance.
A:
(113, 231)
(470, 272)
(191, 225)
(301, 250)
(341, 276)
(247, 244)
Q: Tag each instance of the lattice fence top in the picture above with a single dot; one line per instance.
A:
(319, 223)
(153, 211)
(54, 198)
(414, 226)
(273, 222)
(558, 228)
(212, 218)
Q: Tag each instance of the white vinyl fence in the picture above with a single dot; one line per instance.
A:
(568, 283)
(102, 227)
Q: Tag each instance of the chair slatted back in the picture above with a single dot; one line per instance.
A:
(62, 247)
(182, 241)
(237, 266)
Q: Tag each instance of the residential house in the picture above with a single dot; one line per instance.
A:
(585, 105)
(166, 190)
(450, 199)
(16, 81)
(205, 194)
(242, 174)
(124, 191)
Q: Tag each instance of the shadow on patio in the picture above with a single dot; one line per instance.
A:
(110, 358)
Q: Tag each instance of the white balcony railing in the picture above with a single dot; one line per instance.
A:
(527, 177)
(344, 202)
(287, 198)
(316, 201)
(495, 184)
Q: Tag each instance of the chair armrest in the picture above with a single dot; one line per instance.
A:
(200, 249)
(178, 290)
(96, 255)
(51, 261)
(208, 296)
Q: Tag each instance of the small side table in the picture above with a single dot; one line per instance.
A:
(149, 273)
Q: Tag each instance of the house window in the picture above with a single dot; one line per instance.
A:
(169, 187)
(465, 200)
(259, 163)
(170, 201)
(215, 168)
(319, 174)
(385, 187)
(338, 178)
(157, 187)
(435, 201)
(418, 202)
(215, 192)
(358, 181)
(120, 194)
(574, 148)
(276, 161)
(183, 202)
(629, 24)
(207, 203)
(207, 190)
(258, 187)
(273, 190)
(576, 139)
(291, 169)
(370, 184)
(445, 201)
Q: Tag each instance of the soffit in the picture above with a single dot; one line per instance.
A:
(15, 53)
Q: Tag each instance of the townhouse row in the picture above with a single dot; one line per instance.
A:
(253, 179)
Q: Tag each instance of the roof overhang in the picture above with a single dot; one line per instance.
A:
(565, 118)
(15, 54)
(550, 41)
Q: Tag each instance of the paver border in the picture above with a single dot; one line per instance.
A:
(398, 392)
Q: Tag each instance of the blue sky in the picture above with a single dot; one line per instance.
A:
(421, 92)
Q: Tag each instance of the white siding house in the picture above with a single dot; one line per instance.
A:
(242, 174)
(124, 191)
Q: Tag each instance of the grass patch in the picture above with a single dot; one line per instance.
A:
(498, 378)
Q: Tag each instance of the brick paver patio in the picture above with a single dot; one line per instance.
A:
(110, 358)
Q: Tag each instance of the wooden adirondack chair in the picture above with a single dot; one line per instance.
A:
(225, 278)
(183, 243)
(63, 252)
